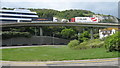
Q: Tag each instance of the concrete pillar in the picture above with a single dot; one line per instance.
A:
(40, 31)
(35, 31)
(91, 32)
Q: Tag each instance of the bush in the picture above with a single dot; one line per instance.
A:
(73, 43)
(80, 46)
(95, 43)
(112, 43)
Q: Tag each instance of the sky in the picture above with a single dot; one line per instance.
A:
(108, 7)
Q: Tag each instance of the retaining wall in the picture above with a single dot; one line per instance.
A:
(35, 40)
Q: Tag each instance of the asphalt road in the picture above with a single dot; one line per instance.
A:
(91, 62)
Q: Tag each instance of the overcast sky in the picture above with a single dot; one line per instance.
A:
(59, 0)
(109, 7)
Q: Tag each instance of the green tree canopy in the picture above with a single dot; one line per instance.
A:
(67, 33)
(84, 36)
(67, 14)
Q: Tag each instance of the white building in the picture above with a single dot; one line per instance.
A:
(17, 15)
(107, 32)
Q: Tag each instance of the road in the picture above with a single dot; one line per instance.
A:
(91, 62)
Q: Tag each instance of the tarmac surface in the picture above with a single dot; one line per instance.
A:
(91, 62)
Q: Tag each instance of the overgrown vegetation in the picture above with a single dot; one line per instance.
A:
(112, 43)
(72, 44)
(95, 43)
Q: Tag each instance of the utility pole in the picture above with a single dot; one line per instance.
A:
(53, 38)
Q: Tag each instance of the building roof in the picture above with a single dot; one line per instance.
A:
(109, 29)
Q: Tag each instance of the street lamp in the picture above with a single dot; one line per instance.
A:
(53, 38)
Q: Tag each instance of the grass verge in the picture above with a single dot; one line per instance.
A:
(54, 53)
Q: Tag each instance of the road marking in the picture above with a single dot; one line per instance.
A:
(61, 62)
(87, 61)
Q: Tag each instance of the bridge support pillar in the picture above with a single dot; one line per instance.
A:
(35, 31)
(91, 32)
(40, 31)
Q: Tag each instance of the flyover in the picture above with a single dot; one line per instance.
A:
(27, 24)
(39, 25)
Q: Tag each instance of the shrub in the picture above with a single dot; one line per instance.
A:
(112, 43)
(73, 43)
(81, 46)
(95, 43)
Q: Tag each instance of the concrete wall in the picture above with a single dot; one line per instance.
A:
(35, 40)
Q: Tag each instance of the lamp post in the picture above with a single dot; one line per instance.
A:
(53, 38)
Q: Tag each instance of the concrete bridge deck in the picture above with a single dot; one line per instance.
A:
(26, 24)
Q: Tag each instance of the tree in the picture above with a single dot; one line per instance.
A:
(45, 12)
(67, 33)
(84, 36)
